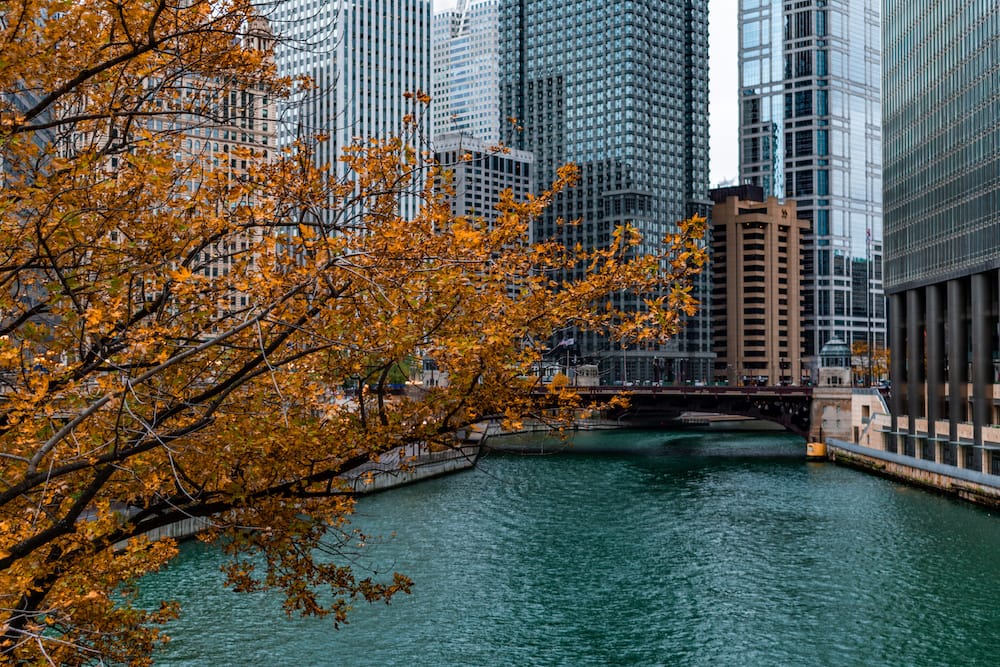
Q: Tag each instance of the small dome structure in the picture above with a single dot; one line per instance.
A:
(835, 354)
(835, 363)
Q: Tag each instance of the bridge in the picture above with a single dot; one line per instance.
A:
(789, 406)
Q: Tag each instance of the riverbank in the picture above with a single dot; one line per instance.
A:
(399, 467)
(411, 464)
(416, 463)
(969, 485)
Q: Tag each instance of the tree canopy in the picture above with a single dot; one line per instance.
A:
(181, 302)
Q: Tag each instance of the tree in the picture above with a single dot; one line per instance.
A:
(860, 362)
(880, 364)
(872, 367)
(176, 315)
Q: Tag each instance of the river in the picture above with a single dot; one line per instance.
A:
(638, 548)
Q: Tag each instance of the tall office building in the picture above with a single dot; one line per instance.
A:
(810, 116)
(942, 222)
(363, 57)
(756, 277)
(478, 174)
(621, 89)
(466, 62)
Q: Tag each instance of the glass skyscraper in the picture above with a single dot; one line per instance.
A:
(810, 114)
(362, 57)
(621, 89)
(466, 54)
(942, 224)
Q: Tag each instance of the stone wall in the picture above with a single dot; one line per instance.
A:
(393, 470)
(831, 415)
(968, 485)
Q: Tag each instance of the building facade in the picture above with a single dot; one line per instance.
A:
(362, 57)
(810, 115)
(756, 297)
(477, 173)
(466, 65)
(621, 89)
(942, 222)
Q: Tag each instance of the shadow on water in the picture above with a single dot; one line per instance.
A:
(679, 444)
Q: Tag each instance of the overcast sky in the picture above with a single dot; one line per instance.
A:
(722, 99)
(723, 96)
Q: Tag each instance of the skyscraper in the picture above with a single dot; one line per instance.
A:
(810, 130)
(621, 89)
(756, 283)
(942, 222)
(479, 174)
(363, 57)
(466, 53)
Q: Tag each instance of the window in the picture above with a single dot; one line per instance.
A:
(822, 142)
(822, 107)
(803, 103)
(821, 22)
(751, 34)
(803, 63)
(821, 63)
(822, 222)
(803, 143)
(803, 24)
(822, 182)
(803, 183)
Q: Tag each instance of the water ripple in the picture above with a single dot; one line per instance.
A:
(639, 549)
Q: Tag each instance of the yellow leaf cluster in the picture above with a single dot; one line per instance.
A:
(222, 334)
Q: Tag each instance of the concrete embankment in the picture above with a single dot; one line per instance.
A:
(180, 530)
(415, 463)
(411, 464)
(406, 465)
(968, 485)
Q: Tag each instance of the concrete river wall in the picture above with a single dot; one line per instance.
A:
(969, 485)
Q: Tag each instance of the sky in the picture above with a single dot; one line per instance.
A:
(723, 96)
(723, 88)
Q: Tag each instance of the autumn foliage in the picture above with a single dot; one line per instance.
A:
(177, 319)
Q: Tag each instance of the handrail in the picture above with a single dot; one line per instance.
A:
(871, 420)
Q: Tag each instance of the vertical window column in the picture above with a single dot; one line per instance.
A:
(897, 371)
(958, 358)
(935, 363)
(914, 366)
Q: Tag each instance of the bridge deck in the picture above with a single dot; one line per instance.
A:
(690, 390)
(789, 406)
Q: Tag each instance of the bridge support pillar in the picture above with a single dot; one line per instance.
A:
(831, 414)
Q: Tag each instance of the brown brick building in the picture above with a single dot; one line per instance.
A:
(756, 298)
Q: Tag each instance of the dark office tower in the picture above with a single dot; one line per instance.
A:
(621, 89)
(942, 223)
(810, 131)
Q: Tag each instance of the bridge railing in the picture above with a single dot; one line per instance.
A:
(721, 390)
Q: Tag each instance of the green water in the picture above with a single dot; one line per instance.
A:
(640, 548)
